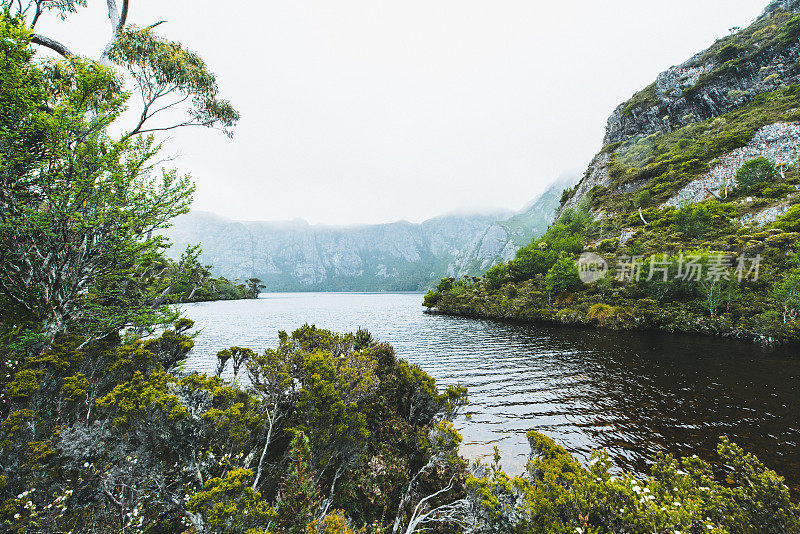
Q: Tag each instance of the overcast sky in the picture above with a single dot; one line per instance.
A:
(365, 111)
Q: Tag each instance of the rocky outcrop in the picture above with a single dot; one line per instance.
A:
(596, 176)
(759, 59)
(779, 143)
(711, 83)
(500, 241)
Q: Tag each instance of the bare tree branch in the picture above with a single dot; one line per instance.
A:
(123, 17)
(52, 44)
(38, 13)
(117, 19)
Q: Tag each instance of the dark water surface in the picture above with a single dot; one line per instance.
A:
(631, 393)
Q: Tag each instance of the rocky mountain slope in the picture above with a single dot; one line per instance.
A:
(401, 256)
(500, 241)
(730, 75)
(702, 166)
(295, 256)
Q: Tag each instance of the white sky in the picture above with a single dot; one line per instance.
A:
(365, 111)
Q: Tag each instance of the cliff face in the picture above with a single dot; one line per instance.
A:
(296, 256)
(722, 78)
(401, 256)
(500, 241)
(730, 76)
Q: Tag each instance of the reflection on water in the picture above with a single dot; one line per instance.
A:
(632, 393)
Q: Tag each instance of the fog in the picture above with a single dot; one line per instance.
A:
(365, 111)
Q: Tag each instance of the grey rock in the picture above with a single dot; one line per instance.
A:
(671, 106)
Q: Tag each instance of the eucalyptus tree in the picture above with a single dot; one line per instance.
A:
(78, 206)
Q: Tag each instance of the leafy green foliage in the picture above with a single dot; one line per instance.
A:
(787, 296)
(563, 275)
(432, 298)
(557, 494)
(755, 173)
(693, 221)
(496, 276)
(161, 67)
(77, 206)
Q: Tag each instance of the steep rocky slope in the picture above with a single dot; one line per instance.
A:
(400, 256)
(296, 256)
(702, 165)
(730, 75)
(500, 241)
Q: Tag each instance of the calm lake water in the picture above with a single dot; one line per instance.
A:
(631, 393)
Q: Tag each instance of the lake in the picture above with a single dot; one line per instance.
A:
(631, 393)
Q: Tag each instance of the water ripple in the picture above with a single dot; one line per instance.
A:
(631, 393)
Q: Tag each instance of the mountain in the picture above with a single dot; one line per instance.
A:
(500, 241)
(701, 166)
(738, 71)
(296, 256)
(399, 256)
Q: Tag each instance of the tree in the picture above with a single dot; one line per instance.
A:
(167, 76)
(755, 173)
(77, 206)
(786, 296)
(563, 275)
(254, 287)
(532, 260)
(496, 276)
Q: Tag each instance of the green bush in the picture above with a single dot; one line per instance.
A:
(642, 199)
(563, 275)
(531, 261)
(558, 494)
(777, 191)
(432, 298)
(608, 245)
(694, 220)
(729, 52)
(754, 173)
(496, 276)
(790, 222)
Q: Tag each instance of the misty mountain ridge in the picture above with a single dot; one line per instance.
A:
(399, 256)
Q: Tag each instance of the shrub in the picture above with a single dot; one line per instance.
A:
(790, 222)
(736, 94)
(643, 198)
(754, 173)
(566, 194)
(600, 313)
(531, 261)
(558, 494)
(608, 245)
(563, 275)
(729, 52)
(693, 221)
(432, 299)
(496, 276)
(777, 191)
